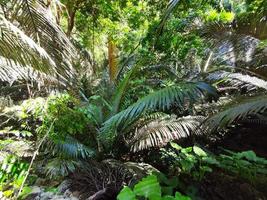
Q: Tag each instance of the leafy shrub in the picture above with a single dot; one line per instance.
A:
(192, 161)
(39, 114)
(68, 119)
(66, 124)
(12, 169)
(223, 16)
(245, 164)
(196, 162)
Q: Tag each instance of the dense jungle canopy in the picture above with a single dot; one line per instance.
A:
(133, 99)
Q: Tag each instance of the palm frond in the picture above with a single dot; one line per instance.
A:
(36, 40)
(172, 4)
(69, 147)
(163, 130)
(120, 90)
(238, 80)
(22, 50)
(160, 100)
(238, 112)
(232, 46)
(61, 166)
(11, 72)
(36, 21)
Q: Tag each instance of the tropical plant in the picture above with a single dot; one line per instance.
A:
(129, 125)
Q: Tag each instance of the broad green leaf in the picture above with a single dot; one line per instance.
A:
(175, 146)
(249, 155)
(187, 150)
(199, 151)
(206, 168)
(210, 160)
(179, 196)
(149, 188)
(126, 194)
(168, 198)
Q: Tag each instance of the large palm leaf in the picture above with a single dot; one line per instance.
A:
(35, 41)
(161, 100)
(160, 131)
(238, 80)
(21, 49)
(237, 43)
(237, 112)
(36, 21)
(69, 147)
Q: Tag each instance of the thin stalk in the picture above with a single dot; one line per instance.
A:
(33, 158)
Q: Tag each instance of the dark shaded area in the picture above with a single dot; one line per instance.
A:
(248, 137)
(221, 186)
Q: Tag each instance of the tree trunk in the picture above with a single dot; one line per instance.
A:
(70, 20)
(112, 60)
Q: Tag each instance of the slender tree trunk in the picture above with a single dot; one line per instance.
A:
(112, 60)
(71, 20)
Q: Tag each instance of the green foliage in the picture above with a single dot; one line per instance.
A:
(67, 118)
(191, 161)
(148, 188)
(25, 192)
(160, 100)
(245, 164)
(12, 173)
(27, 57)
(223, 16)
(62, 148)
(196, 162)
(12, 169)
(38, 114)
(241, 110)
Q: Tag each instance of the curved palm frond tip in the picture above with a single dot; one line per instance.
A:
(172, 4)
(239, 112)
(161, 131)
(180, 95)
